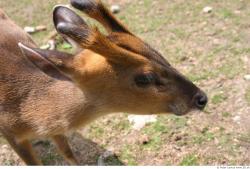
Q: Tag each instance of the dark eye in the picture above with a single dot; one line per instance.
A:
(144, 80)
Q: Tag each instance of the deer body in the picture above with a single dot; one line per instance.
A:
(24, 112)
(60, 92)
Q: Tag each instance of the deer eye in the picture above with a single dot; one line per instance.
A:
(144, 80)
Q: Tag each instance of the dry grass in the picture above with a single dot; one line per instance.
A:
(211, 49)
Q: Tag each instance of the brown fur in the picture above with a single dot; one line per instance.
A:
(73, 90)
(25, 114)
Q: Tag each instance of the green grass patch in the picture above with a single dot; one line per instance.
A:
(204, 136)
(123, 125)
(218, 98)
(226, 114)
(231, 70)
(155, 131)
(127, 156)
(3, 140)
(247, 95)
(8, 162)
(96, 131)
(178, 122)
(185, 35)
(189, 160)
(113, 161)
(226, 13)
(245, 137)
(154, 143)
(156, 127)
(180, 33)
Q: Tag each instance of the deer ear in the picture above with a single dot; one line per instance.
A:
(65, 14)
(81, 34)
(55, 64)
(96, 10)
(94, 40)
(62, 14)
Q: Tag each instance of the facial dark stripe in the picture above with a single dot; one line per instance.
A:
(155, 56)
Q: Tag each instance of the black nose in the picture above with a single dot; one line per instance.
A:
(200, 100)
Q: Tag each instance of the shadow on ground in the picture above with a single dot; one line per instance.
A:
(86, 151)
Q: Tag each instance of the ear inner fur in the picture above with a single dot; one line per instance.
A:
(48, 62)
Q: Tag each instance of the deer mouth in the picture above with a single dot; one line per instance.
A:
(179, 109)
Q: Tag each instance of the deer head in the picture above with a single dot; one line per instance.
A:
(117, 72)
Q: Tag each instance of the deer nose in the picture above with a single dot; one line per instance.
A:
(200, 100)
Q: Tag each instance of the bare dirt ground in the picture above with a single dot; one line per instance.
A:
(212, 49)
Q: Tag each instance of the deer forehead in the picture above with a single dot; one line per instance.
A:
(88, 62)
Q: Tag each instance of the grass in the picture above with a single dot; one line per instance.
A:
(200, 139)
(2, 140)
(154, 132)
(9, 162)
(203, 137)
(154, 143)
(113, 161)
(210, 49)
(31, 13)
(218, 98)
(127, 156)
(96, 131)
(50, 158)
(189, 160)
(247, 95)
(227, 13)
(178, 122)
(156, 127)
(226, 114)
(245, 137)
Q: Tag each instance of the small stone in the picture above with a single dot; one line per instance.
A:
(236, 118)
(41, 28)
(237, 11)
(189, 122)
(207, 9)
(139, 121)
(144, 139)
(105, 155)
(29, 29)
(4, 149)
(177, 138)
(115, 9)
(247, 77)
(236, 140)
(216, 41)
(45, 47)
(216, 141)
(52, 44)
(4, 146)
(177, 147)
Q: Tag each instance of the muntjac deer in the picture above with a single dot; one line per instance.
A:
(59, 92)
